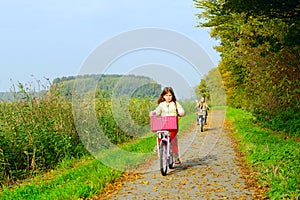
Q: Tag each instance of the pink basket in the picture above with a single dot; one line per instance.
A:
(166, 123)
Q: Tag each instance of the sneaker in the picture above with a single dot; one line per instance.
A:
(177, 161)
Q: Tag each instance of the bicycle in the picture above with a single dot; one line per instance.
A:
(162, 127)
(201, 117)
(201, 121)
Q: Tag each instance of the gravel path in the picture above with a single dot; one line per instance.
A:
(208, 170)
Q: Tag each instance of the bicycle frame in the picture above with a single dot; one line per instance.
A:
(165, 154)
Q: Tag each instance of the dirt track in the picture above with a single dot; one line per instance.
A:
(208, 170)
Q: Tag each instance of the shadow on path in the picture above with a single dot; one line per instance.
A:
(206, 160)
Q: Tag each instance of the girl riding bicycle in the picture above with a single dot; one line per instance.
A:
(202, 108)
(168, 106)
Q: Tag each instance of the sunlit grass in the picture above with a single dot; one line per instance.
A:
(275, 157)
(86, 178)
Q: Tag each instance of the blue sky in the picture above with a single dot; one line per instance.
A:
(53, 38)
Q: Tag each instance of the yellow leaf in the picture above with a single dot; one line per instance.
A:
(146, 182)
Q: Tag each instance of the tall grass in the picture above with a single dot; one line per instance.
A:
(37, 129)
(123, 119)
(36, 133)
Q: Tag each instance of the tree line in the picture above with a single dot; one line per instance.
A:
(111, 84)
(260, 55)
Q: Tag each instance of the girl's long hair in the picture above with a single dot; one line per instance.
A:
(164, 92)
(200, 103)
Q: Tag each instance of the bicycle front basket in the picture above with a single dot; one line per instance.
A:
(165, 123)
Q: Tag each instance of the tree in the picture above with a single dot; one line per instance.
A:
(203, 90)
(211, 87)
(259, 50)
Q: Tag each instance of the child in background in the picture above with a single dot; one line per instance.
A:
(167, 106)
(201, 108)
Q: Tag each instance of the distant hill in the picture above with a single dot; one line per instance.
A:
(114, 84)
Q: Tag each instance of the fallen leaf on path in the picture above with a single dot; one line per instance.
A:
(146, 182)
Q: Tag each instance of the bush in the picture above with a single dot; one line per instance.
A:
(287, 121)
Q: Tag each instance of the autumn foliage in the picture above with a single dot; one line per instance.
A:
(260, 53)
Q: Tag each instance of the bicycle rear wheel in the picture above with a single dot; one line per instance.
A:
(163, 158)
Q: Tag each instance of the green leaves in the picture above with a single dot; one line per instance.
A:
(260, 52)
(211, 87)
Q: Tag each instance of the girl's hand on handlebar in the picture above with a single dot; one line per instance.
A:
(180, 114)
(152, 113)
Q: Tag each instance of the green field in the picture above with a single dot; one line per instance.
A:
(274, 157)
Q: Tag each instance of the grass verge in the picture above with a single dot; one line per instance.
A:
(84, 178)
(274, 157)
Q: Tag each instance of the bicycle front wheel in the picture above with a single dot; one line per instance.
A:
(201, 121)
(163, 158)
